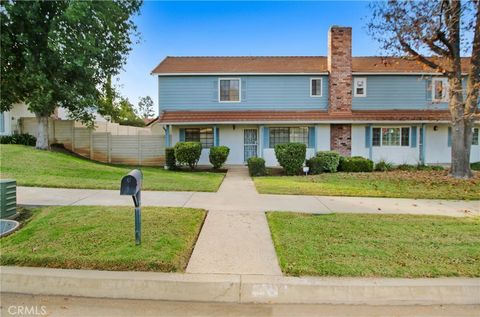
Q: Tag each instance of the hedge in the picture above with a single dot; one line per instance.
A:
(22, 139)
(218, 155)
(355, 164)
(188, 153)
(291, 156)
(256, 166)
(170, 160)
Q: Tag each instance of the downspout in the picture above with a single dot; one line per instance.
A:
(423, 152)
(370, 142)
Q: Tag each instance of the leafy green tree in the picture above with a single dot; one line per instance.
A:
(433, 33)
(145, 107)
(59, 53)
(126, 114)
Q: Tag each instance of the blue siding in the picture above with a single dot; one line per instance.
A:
(258, 93)
(397, 92)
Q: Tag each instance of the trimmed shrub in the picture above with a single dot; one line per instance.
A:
(22, 138)
(188, 153)
(218, 156)
(355, 164)
(406, 167)
(383, 166)
(256, 166)
(291, 156)
(170, 160)
(475, 166)
(329, 161)
(315, 165)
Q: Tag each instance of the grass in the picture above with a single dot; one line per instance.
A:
(394, 184)
(94, 237)
(365, 245)
(32, 167)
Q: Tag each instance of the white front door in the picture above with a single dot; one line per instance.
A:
(250, 143)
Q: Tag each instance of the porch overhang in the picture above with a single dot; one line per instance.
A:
(302, 117)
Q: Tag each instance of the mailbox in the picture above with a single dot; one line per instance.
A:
(131, 185)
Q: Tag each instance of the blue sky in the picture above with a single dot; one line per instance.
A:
(236, 29)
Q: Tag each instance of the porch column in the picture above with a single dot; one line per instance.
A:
(260, 141)
(167, 136)
(423, 137)
(315, 129)
(370, 141)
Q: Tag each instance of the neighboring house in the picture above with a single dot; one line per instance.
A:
(10, 120)
(379, 108)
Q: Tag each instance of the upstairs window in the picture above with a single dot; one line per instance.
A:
(439, 90)
(288, 135)
(315, 87)
(229, 90)
(359, 87)
(202, 135)
(390, 136)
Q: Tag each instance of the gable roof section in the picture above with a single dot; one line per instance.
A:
(286, 65)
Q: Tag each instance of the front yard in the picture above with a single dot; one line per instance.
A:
(32, 167)
(93, 237)
(393, 184)
(376, 245)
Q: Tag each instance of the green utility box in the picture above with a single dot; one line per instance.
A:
(8, 198)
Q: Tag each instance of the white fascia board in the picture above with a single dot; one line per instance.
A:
(238, 74)
(309, 122)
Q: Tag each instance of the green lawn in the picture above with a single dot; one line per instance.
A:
(376, 245)
(32, 167)
(396, 184)
(94, 237)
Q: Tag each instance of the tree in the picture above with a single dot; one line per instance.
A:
(432, 33)
(58, 54)
(126, 114)
(145, 107)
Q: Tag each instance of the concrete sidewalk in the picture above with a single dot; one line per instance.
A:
(238, 193)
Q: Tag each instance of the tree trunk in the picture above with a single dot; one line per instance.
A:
(461, 131)
(42, 133)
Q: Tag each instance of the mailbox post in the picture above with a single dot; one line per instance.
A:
(132, 186)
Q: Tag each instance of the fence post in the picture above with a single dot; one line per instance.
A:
(109, 148)
(73, 136)
(139, 150)
(91, 143)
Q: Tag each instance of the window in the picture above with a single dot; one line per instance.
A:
(439, 90)
(202, 135)
(229, 90)
(390, 136)
(315, 87)
(475, 136)
(359, 87)
(288, 135)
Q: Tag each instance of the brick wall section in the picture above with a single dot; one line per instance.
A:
(341, 138)
(339, 63)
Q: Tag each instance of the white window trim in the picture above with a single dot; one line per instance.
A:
(357, 79)
(321, 87)
(445, 83)
(239, 90)
(393, 146)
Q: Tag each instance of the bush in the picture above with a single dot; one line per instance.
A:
(406, 167)
(170, 160)
(329, 161)
(23, 139)
(291, 156)
(355, 164)
(188, 153)
(218, 155)
(256, 166)
(475, 166)
(423, 167)
(315, 165)
(383, 166)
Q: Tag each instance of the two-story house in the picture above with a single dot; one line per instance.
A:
(375, 107)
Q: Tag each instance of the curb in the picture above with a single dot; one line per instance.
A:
(239, 288)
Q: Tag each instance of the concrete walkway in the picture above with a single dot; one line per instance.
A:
(238, 193)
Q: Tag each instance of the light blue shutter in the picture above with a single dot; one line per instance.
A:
(311, 137)
(215, 90)
(368, 137)
(244, 90)
(266, 137)
(217, 136)
(413, 136)
(449, 140)
(2, 122)
(182, 135)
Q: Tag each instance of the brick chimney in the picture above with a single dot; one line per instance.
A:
(340, 68)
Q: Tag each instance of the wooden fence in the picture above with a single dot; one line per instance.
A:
(107, 142)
